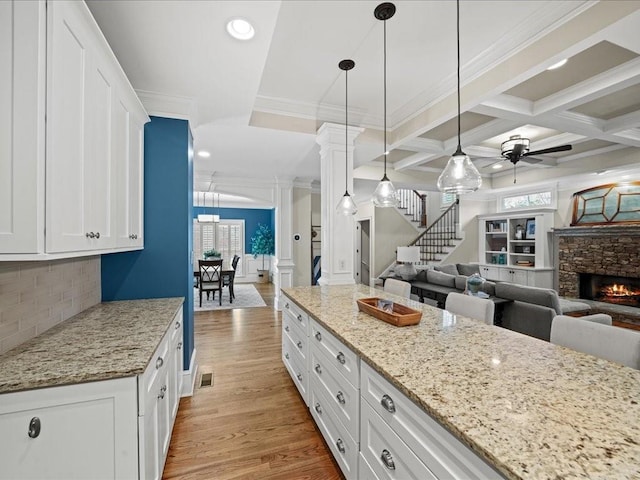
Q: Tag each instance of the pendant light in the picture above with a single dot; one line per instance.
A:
(385, 194)
(460, 175)
(346, 206)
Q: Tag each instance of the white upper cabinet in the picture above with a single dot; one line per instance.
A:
(92, 162)
(22, 131)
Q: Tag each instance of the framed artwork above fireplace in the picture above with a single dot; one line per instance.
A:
(607, 204)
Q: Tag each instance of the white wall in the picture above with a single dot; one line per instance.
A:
(389, 231)
(35, 296)
(469, 209)
(302, 226)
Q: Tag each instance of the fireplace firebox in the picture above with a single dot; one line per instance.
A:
(610, 289)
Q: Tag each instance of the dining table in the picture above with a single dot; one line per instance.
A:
(228, 274)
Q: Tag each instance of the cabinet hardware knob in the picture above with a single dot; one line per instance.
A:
(299, 376)
(135, 236)
(286, 355)
(177, 325)
(318, 368)
(34, 427)
(387, 459)
(97, 234)
(180, 346)
(299, 344)
(286, 305)
(340, 398)
(318, 336)
(286, 329)
(388, 404)
(162, 390)
(340, 445)
(340, 358)
(131, 236)
(299, 318)
(159, 362)
(318, 408)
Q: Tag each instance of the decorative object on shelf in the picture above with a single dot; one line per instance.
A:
(474, 282)
(460, 175)
(519, 232)
(606, 204)
(401, 316)
(385, 194)
(406, 257)
(262, 244)
(346, 206)
(530, 233)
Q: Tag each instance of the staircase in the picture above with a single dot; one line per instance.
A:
(413, 205)
(440, 238)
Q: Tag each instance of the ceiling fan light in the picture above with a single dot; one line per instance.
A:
(497, 166)
(346, 206)
(460, 175)
(385, 194)
(508, 146)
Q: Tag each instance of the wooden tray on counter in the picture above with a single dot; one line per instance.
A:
(402, 316)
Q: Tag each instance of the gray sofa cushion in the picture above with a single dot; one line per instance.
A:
(441, 278)
(527, 318)
(545, 297)
(568, 306)
(489, 288)
(461, 282)
(451, 269)
(468, 269)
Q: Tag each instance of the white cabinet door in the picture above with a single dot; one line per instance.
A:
(72, 432)
(22, 103)
(490, 273)
(79, 168)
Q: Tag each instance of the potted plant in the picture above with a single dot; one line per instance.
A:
(262, 244)
(213, 253)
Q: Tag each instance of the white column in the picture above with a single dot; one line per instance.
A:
(283, 263)
(337, 262)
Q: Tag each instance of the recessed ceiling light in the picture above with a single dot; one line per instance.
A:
(497, 166)
(240, 28)
(557, 65)
(203, 154)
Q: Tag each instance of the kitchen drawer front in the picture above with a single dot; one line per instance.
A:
(345, 360)
(297, 370)
(343, 447)
(365, 472)
(443, 454)
(387, 455)
(301, 342)
(295, 312)
(176, 329)
(344, 397)
(147, 383)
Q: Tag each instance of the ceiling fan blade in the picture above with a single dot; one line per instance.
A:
(561, 148)
(530, 160)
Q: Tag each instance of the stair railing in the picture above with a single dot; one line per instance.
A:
(439, 234)
(415, 204)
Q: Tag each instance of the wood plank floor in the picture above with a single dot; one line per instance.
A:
(251, 423)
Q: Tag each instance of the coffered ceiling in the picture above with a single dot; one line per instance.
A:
(256, 105)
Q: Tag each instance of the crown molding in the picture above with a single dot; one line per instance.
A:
(169, 106)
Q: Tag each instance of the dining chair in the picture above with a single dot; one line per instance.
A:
(229, 278)
(210, 278)
(620, 345)
(397, 287)
(470, 306)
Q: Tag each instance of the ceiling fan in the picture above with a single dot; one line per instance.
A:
(517, 148)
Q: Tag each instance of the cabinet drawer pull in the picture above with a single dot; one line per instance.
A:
(286, 329)
(299, 318)
(318, 336)
(299, 344)
(180, 346)
(340, 358)
(388, 404)
(286, 305)
(162, 390)
(387, 459)
(159, 362)
(299, 376)
(318, 368)
(340, 398)
(286, 355)
(97, 234)
(34, 427)
(318, 408)
(340, 445)
(90, 235)
(177, 325)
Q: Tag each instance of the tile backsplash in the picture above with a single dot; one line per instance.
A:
(35, 296)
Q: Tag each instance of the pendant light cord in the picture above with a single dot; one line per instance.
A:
(458, 37)
(384, 48)
(346, 128)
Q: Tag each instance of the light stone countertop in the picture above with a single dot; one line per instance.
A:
(533, 410)
(109, 340)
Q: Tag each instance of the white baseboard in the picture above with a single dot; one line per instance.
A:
(189, 377)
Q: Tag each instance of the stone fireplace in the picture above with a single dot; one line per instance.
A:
(592, 254)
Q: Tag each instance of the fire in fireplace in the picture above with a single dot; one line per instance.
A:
(610, 289)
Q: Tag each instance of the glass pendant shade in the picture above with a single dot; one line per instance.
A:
(385, 194)
(346, 206)
(460, 175)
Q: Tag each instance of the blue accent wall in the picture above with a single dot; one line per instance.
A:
(163, 268)
(251, 216)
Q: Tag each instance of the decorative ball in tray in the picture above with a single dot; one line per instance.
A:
(390, 312)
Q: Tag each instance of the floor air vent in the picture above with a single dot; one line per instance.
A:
(206, 380)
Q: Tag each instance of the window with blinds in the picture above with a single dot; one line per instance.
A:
(227, 237)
